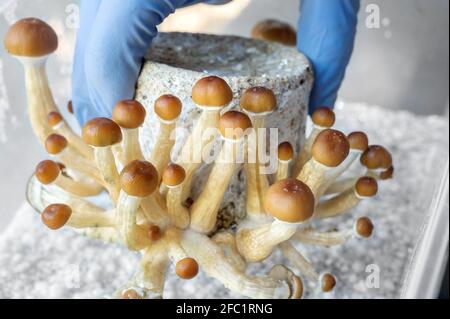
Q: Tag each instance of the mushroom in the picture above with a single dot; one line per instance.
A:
(168, 109)
(362, 228)
(275, 31)
(291, 203)
(232, 126)
(102, 133)
(129, 115)
(365, 187)
(57, 145)
(173, 178)
(214, 263)
(32, 41)
(186, 268)
(59, 126)
(138, 179)
(285, 155)
(211, 94)
(257, 103)
(154, 233)
(323, 118)
(56, 216)
(49, 172)
(70, 107)
(329, 150)
(282, 273)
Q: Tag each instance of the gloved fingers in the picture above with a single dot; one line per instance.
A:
(80, 94)
(120, 38)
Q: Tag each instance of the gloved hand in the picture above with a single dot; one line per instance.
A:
(113, 38)
(326, 33)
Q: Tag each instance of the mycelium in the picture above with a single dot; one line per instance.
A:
(160, 225)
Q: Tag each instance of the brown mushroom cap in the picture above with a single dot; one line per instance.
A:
(131, 294)
(285, 151)
(47, 172)
(154, 233)
(139, 178)
(376, 157)
(358, 141)
(56, 216)
(275, 31)
(101, 132)
(290, 200)
(330, 148)
(328, 282)
(323, 117)
(31, 37)
(212, 91)
(258, 100)
(186, 268)
(70, 107)
(54, 118)
(55, 144)
(366, 187)
(168, 107)
(364, 227)
(173, 175)
(233, 124)
(295, 284)
(129, 114)
(387, 174)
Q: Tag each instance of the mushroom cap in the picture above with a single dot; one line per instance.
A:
(258, 99)
(285, 151)
(186, 268)
(139, 178)
(154, 233)
(295, 284)
(31, 37)
(129, 114)
(387, 174)
(70, 107)
(364, 227)
(55, 144)
(56, 216)
(330, 148)
(131, 294)
(168, 107)
(358, 141)
(290, 200)
(275, 31)
(233, 124)
(323, 117)
(47, 172)
(173, 175)
(54, 118)
(366, 187)
(101, 132)
(376, 157)
(328, 282)
(212, 91)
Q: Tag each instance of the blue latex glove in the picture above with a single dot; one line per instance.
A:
(326, 33)
(114, 37)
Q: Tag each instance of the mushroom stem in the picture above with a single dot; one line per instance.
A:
(131, 149)
(205, 208)
(256, 244)
(155, 210)
(299, 261)
(282, 171)
(214, 263)
(178, 214)
(160, 156)
(88, 219)
(79, 188)
(153, 268)
(106, 163)
(227, 242)
(305, 153)
(313, 237)
(314, 174)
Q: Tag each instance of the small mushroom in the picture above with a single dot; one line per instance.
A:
(56, 216)
(168, 109)
(257, 102)
(291, 203)
(232, 126)
(173, 178)
(285, 156)
(130, 115)
(275, 31)
(282, 273)
(323, 118)
(186, 268)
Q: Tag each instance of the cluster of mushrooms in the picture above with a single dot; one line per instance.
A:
(152, 212)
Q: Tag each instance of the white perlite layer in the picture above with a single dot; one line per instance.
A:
(177, 60)
(39, 263)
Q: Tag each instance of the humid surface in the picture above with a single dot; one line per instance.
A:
(243, 63)
(36, 262)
